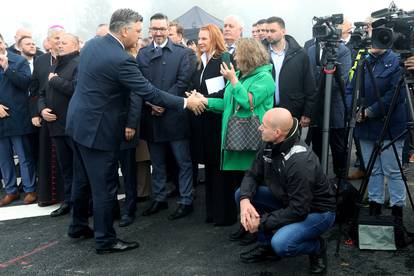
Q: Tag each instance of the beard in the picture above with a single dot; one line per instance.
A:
(29, 54)
(274, 41)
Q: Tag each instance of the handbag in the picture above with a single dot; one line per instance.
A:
(243, 133)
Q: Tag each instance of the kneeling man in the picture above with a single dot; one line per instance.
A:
(285, 196)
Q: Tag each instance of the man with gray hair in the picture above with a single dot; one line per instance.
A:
(41, 143)
(232, 30)
(97, 122)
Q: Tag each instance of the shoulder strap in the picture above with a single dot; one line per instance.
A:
(250, 101)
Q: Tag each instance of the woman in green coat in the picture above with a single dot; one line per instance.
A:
(253, 76)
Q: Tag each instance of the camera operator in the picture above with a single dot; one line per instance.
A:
(386, 74)
(337, 115)
(360, 40)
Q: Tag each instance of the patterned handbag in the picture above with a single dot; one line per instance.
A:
(243, 133)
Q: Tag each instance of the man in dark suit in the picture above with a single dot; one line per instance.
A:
(167, 65)
(15, 126)
(97, 122)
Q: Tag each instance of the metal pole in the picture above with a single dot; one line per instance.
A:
(329, 71)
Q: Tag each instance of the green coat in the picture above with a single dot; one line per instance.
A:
(262, 86)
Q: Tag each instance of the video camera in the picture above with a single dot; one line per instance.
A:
(325, 28)
(394, 29)
(360, 38)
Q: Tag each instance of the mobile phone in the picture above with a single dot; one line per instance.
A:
(225, 57)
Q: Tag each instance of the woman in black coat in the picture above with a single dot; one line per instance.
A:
(206, 131)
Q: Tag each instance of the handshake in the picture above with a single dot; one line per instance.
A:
(196, 102)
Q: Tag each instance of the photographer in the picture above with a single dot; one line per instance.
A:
(386, 74)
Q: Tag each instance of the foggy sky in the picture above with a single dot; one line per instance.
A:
(82, 17)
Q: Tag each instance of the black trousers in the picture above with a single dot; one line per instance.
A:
(129, 171)
(219, 188)
(95, 172)
(337, 142)
(64, 154)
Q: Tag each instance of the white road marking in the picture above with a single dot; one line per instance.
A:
(29, 211)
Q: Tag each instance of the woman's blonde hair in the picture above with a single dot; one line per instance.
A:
(250, 54)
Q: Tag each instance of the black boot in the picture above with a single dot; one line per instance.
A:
(374, 208)
(397, 212)
(318, 260)
(238, 234)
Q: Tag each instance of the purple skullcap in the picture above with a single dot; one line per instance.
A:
(56, 27)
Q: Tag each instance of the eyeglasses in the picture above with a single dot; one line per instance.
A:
(161, 30)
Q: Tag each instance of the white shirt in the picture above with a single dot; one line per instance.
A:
(162, 45)
(278, 58)
(31, 65)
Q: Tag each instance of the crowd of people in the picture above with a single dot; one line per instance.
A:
(76, 113)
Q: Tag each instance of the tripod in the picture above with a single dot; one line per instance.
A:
(330, 71)
(406, 82)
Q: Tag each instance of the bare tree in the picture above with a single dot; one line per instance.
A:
(93, 13)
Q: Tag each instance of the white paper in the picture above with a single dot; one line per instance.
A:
(215, 84)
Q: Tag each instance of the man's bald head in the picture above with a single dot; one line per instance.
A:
(346, 27)
(280, 118)
(277, 123)
(21, 32)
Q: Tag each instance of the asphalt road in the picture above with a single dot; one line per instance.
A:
(189, 246)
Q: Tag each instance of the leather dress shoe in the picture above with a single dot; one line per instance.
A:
(181, 211)
(9, 198)
(318, 260)
(118, 246)
(155, 207)
(30, 198)
(259, 253)
(46, 203)
(62, 210)
(126, 220)
(86, 233)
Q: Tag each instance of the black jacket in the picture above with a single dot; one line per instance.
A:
(297, 86)
(205, 129)
(58, 91)
(42, 67)
(293, 174)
